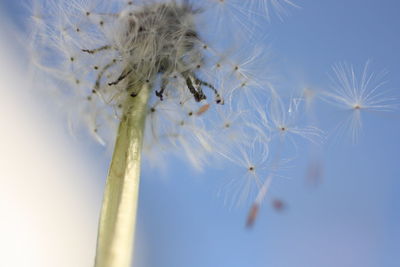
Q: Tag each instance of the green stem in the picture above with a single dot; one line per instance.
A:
(118, 215)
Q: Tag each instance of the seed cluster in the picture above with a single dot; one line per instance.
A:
(212, 97)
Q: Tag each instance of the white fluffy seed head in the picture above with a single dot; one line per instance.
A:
(160, 35)
(99, 54)
(207, 100)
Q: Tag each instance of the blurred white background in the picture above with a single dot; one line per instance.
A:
(48, 203)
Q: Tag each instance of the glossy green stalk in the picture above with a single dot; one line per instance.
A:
(115, 241)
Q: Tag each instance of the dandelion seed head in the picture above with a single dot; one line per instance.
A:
(203, 91)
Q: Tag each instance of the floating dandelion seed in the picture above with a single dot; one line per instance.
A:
(357, 93)
(250, 158)
(285, 122)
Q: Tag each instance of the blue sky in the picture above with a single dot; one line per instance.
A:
(351, 219)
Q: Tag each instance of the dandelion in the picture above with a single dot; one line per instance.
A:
(159, 78)
(182, 77)
(251, 161)
(147, 66)
(285, 121)
(357, 93)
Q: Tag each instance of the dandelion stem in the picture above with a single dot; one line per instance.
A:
(115, 239)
